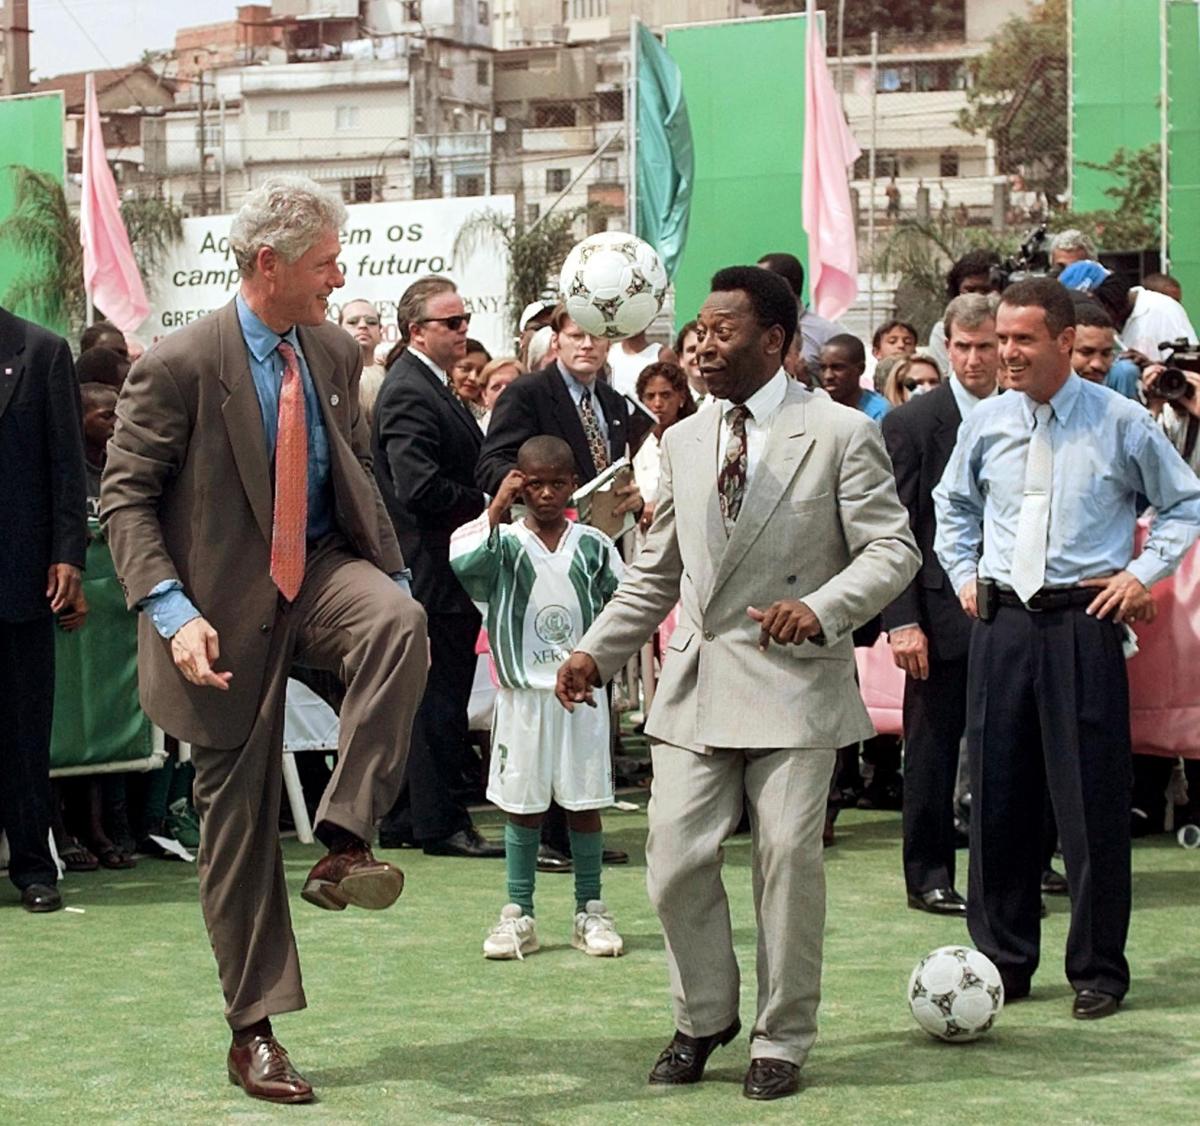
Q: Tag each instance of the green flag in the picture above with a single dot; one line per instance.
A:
(665, 165)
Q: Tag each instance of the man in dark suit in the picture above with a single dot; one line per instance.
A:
(927, 627)
(43, 524)
(246, 527)
(567, 399)
(426, 443)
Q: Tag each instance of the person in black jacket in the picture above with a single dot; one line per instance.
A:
(570, 400)
(927, 628)
(425, 444)
(43, 525)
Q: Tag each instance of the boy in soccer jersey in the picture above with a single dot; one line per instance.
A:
(540, 582)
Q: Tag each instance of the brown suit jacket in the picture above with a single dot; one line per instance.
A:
(187, 495)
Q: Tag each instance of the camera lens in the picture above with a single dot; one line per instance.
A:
(1172, 385)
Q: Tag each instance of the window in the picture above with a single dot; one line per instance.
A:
(553, 115)
(607, 169)
(484, 15)
(345, 118)
(360, 189)
(557, 179)
(412, 11)
(948, 164)
(610, 105)
(532, 213)
(468, 185)
(887, 165)
(279, 120)
(212, 135)
(481, 72)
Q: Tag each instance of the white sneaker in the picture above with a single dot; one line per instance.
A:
(514, 936)
(594, 932)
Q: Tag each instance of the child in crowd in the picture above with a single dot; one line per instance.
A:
(543, 579)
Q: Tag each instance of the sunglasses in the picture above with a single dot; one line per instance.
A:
(452, 323)
(366, 320)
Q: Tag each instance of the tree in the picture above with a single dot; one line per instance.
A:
(1134, 220)
(861, 17)
(535, 253)
(154, 226)
(1018, 98)
(42, 228)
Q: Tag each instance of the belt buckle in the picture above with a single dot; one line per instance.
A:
(1039, 608)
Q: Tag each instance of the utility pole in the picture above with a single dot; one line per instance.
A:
(200, 142)
(15, 32)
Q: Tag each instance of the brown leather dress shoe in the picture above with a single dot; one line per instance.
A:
(771, 1079)
(353, 876)
(262, 1069)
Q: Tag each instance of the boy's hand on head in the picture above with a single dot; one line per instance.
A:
(507, 495)
(576, 677)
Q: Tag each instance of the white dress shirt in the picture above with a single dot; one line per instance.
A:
(964, 400)
(442, 376)
(763, 406)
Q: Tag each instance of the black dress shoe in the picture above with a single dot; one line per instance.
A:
(551, 860)
(683, 1059)
(615, 856)
(771, 1079)
(466, 842)
(938, 901)
(1091, 1004)
(40, 898)
(1053, 883)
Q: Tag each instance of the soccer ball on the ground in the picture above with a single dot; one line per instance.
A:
(955, 993)
(613, 284)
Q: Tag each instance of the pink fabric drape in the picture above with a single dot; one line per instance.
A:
(110, 273)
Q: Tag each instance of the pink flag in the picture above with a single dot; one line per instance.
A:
(110, 273)
(829, 151)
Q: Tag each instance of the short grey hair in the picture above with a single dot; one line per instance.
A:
(288, 214)
(970, 310)
(1071, 239)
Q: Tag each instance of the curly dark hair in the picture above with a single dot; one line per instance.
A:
(676, 377)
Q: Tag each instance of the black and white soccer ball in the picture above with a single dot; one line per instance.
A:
(613, 284)
(955, 993)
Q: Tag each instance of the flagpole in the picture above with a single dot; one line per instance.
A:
(631, 127)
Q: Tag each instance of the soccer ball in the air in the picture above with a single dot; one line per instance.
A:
(613, 284)
(955, 993)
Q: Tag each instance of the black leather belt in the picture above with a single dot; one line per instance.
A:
(1066, 598)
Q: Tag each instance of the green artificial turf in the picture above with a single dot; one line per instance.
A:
(114, 1015)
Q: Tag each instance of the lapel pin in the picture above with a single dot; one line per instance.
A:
(334, 399)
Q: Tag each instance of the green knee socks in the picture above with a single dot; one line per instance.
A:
(587, 851)
(520, 860)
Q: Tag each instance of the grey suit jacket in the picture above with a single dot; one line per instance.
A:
(820, 523)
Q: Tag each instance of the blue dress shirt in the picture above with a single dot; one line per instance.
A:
(576, 390)
(873, 405)
(1106, 450)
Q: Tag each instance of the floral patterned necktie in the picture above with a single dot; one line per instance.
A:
(591, 431)
(290, 523)
(731, 481)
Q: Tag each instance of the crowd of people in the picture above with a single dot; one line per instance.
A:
(286, 495)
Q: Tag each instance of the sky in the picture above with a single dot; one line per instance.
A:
(72, 35)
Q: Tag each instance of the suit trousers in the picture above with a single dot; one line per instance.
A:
(935, 716)
(351, 618)
(429, 807)
(26, 714)
(695, 804)
(1048, 710)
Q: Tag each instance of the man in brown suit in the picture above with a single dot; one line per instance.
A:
(246, 526)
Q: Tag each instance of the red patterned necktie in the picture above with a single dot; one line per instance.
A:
(290, 523)
(731, 481)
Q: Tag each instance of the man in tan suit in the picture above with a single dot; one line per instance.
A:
(779, 530)
(246, 526)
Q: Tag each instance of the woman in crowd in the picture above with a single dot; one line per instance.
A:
(912, 376)
(663, 387)
(495, 376)
(465, 377)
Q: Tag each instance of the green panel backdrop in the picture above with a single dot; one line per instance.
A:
(1183, 123)
(744, 83)
(1115, 87)
(31, 133)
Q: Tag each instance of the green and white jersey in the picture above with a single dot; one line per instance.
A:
(537, 603)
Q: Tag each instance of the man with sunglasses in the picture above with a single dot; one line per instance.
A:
(361, 320)
(426, 443)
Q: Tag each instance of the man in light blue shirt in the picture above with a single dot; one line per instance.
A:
(1035, 515)
(843, 361)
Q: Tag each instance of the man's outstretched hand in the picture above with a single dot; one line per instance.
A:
(786, 622)
(577, 676)
(195, 649)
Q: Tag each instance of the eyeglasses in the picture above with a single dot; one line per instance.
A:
(364, 319)
(452, 323)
